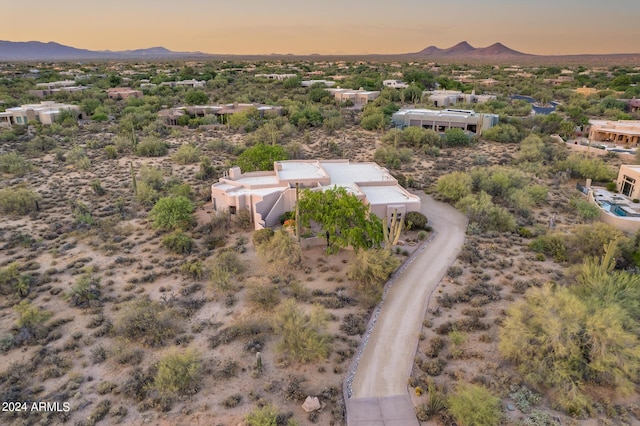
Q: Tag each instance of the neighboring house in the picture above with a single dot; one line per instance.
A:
(185, 83)
(45, 112)
(633, 105)
(48, 89)
(309, 83)
(276, 76)
(358, 97)
(395, 84)
(172, 115)
(441, 120)
(267, 195)
(619, 209)
(447, 98)
(119, 93)
(586, 91)
(622, 132)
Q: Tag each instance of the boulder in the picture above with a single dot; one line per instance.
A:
(312, 403)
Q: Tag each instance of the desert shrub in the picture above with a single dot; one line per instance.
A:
(474, 405)
(13, 282)
(374, 121)
(78, 157)
(416, 219)
(433, 367)
(193, 269)
(370, 270)
(85, 291)
(151, 147)
(302, 336)
(224, 270)
(178, 242)
(563, 338)
(454, 186)
(171, 213)
(18, 201)
(505, 133)
(436, 345)
(436, 403)
(152, 176)
(186, 154)
(207, 170)
(353, 324)
(498, 181)
(585, 209)
(590, 240)
(146, 321)
(456, 137)
(178, 373)
(29, 316)
(267, 415)
(552, 245)
(14, 164)
(525, 398)
(489, 217)
(99, 413)
(266, 297)
(232, 401)
(243, 328)
(111, 152)
(262, 236)
(587, 168)
(146, 194)
(281, 251)
(422, 235)
(97, 188)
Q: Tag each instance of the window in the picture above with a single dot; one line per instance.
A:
(19, 120)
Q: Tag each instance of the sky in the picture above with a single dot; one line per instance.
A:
(544, 27)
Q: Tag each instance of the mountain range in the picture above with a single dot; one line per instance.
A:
(36, 50)
(463, 51)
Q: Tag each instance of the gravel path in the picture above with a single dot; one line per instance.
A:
(384, 365)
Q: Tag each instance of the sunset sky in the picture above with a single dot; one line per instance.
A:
(553, 27)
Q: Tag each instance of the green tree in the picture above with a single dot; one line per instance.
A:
(302, 336)
(171, 213)
(474, 405)
(456, 137)
(505, 133)
(454, 186)
(344, 220)
(260, 157)
(196, 97)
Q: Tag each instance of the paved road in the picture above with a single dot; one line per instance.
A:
(380, 382)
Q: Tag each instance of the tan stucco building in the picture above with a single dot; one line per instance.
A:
(623, 132)
(267, 195)
(45, 112)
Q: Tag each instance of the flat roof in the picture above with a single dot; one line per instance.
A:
(386, 195)
(292, 170)
(259, 180)
(345, 174)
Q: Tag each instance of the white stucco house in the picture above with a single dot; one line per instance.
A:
(267, 195)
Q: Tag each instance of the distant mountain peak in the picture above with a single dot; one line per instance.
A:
(464, 48)
(36, 50)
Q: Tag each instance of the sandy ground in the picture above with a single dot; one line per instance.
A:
(386, 363)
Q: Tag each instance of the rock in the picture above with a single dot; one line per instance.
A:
(510, 407)
(312, 403)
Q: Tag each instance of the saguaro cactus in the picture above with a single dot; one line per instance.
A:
(391, 231)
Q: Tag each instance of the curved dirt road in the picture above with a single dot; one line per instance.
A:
(385, 365)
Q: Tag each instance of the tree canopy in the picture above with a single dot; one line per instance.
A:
(344, 220)
(260, 157)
